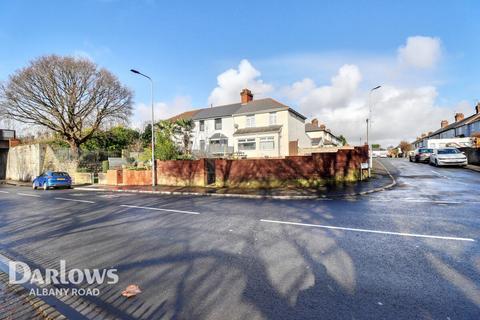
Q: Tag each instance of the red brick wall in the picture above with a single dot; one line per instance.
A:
(114, 177)
(14, 142)
(342, 165)
(137, 177)
(181, 172)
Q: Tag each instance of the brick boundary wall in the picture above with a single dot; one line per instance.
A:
(181, 172)
(313, 170)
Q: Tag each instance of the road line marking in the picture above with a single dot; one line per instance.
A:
(4, 191)
(76, 200)
(368, 231)
(28, 195)
(431, 201)
(439, 174)
(422, 201)
(159, 209)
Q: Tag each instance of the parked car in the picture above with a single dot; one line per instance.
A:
(421, 155)
(52, 179)
(448, 157)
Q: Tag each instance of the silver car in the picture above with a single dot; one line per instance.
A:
(448, 157)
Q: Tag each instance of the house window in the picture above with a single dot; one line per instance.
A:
(247, 144)
(267, 143)
(218, 124)
(202, 145)
(475, 127)
(251, 121)
(272, 118)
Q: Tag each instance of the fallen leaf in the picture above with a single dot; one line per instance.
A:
(131, 291)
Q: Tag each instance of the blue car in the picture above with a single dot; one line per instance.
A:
(52, 179)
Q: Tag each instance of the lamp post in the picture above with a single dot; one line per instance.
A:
(369, 123)
(153, 124)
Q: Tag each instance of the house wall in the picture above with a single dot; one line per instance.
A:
(296, 131)
(227, 130)
(257, 152)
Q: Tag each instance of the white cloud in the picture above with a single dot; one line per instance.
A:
(420, 52)
(397, 113)
(232, 81)
(142, 113)
(405, 106)
(343, 86)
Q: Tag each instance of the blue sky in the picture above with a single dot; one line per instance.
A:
(186, 45)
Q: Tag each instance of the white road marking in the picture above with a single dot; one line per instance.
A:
(159, 209)
(28, 195)
(4, 191)
(369, 231)
(440, 175)
(75, 200)
(422, 201)
(431, 201)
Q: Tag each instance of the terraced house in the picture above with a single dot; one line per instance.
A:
(250, 128)
(460, 130)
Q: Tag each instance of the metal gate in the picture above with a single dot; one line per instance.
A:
(3, 163)
(210, 166)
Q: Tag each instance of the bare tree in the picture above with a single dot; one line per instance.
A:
(67, 95)
(405, 146)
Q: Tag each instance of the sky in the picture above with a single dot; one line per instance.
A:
(319, 57)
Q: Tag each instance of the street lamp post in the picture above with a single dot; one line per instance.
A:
(369, 123)
(153, 124)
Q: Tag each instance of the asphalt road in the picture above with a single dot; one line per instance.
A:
(407, 253)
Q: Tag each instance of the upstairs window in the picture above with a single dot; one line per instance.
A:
(218, 124)
(202, 125)
(250, 121)
(272, 118)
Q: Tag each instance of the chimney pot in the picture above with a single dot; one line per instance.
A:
(444, 123)
(459, 117)
(323, 127)
(315, 122)
(246, 96)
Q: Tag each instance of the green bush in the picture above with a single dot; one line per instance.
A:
(105, 166)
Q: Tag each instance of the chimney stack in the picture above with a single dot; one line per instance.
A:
(477, 108)
(444, 123)
(315, 122)
(323, 127)
(459, 117)
(246, 95)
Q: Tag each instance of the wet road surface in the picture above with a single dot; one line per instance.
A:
(410, 252)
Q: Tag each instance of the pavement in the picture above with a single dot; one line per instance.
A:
(381, 179)
(409, 252)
